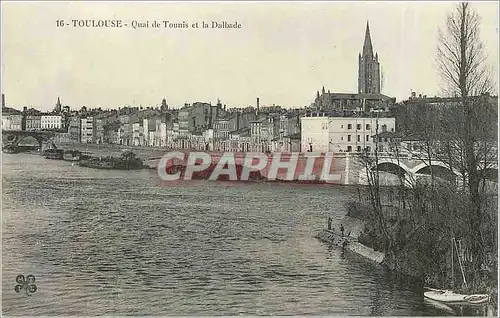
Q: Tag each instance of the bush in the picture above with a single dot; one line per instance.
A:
(358, 210)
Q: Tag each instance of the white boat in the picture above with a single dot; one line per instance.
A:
(447, 296)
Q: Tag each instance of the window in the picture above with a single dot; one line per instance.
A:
(359, 148)
(367, 126)
(380, 148)
(384, 128)
(349, 126)
(367, 138)
(348, 137)
(349, 148)
(359, 138)
(379, 139)
(358, 126)
(341, 126)
(368, 149)
(392, 129)
(341, 138)
(385, 139)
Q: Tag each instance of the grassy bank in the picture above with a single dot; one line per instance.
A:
(415, 229)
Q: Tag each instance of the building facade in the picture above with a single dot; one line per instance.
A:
(74, 128)
(33, 122)
(51, 121)
(88, 130)
(343, 134)
(12, 119)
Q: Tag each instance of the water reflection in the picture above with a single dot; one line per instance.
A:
(116, 243)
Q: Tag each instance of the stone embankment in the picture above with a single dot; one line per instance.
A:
(349, 242)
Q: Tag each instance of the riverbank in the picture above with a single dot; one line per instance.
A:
(348, 242)
(420, 247)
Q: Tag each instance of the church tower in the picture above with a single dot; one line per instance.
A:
(58, 107)
(368, 68)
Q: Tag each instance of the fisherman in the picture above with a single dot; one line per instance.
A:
(329, 223)
(342, 229)
(344, 244)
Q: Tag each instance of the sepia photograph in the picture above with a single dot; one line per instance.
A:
(249, 158)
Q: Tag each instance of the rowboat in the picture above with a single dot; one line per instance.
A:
(447, 296)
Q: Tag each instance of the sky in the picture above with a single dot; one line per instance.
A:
(283, 53)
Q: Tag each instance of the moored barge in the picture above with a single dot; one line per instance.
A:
(56, 154)
(127, 161)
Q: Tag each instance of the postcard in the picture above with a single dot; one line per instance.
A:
(249, 158)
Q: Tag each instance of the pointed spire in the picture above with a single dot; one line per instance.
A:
(323, 90)
(367, 46)
(58, 105)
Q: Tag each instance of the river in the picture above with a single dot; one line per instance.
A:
(120, 243)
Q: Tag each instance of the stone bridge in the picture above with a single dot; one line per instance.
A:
(12, 138)
(351, 168)
(412, 167)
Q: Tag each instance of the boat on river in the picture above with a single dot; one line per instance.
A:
(127, 161)
(56, 154)
(449, 297)
(74, 155)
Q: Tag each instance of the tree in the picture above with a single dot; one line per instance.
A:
(461, 62)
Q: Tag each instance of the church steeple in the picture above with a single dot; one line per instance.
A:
(367, 46)
(368, 67)
(58, 106)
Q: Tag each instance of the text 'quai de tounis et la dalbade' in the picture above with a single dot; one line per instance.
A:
(137, 24)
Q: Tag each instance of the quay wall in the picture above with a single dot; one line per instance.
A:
(348, 168)
(351, 245)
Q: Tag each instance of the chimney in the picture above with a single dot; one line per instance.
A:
(258, 105)
(3, 100)
(237, 120)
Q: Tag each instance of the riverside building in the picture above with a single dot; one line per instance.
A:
(342, 134)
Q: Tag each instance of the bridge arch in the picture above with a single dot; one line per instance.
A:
(389, 172)
(28, 140)
(393, 165)
(12, 138)
(423, 165)
(438, 168)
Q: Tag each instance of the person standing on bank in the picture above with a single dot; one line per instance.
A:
(329, 223)
(342, 229)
